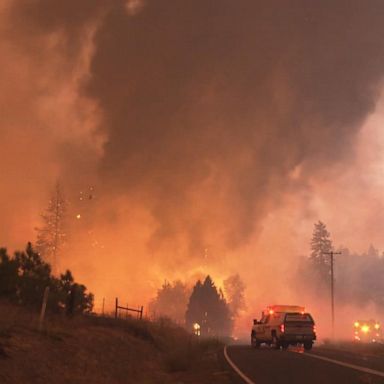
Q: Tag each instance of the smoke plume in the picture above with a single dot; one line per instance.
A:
(214, 133)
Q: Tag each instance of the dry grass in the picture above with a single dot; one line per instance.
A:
(102, 350)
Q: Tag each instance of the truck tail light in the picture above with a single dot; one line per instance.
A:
(282, 328)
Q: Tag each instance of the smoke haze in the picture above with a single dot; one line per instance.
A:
(214, 134)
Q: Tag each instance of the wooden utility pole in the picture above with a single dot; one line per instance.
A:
(331, 254)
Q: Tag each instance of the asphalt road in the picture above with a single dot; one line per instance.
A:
(320, 366)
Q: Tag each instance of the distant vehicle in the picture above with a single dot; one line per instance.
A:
(284, 325)
(367, 331)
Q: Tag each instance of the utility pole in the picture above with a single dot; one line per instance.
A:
(332, 254)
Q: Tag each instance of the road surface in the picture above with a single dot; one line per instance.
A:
(320, 366)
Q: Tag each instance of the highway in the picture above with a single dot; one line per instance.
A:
(321, 365)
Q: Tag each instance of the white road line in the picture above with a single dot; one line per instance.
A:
(353, 366)
(338, 362)
(236, 369)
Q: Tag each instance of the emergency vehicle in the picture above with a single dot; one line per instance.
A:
(284, 325)
(367, 331)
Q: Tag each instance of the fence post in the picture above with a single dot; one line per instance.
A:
(43, 307)
(141, 312)
(116, 305)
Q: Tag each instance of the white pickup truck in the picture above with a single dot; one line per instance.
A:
(281, 326)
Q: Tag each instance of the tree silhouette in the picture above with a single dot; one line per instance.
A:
(73, 296)
(234, 289)
(171, 301)
(320, 244)
(24, 277)
(208, 308)
(34, 276)
(8, 275)
(51, 236)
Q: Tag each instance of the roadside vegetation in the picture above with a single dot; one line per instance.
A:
(25, 276)
(92, 349)
(73, 344)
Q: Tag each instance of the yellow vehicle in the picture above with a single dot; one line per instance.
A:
(367, 331)
(284, 325)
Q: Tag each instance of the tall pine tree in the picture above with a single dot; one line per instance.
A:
(208, 308)
(321, 244)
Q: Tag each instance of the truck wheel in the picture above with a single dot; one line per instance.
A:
(308, 345)
(275, 342)
(254, 342)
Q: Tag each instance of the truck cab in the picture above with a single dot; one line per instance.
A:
(284, 325)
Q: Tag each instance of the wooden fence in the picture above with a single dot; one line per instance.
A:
(118, 307)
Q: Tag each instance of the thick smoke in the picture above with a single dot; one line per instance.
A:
(208, 129)
(209, 107)
(46, 125)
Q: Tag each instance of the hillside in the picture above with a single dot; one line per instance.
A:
(102, 350)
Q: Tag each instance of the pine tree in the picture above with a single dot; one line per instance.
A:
(320, 245)
(9, 270)
(74, 297)
(34, 276)
(372, 251)
(51, 236)
(208, 308)
(25, 276)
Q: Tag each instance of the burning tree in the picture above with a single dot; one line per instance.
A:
(51, 236)
(234, 289)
